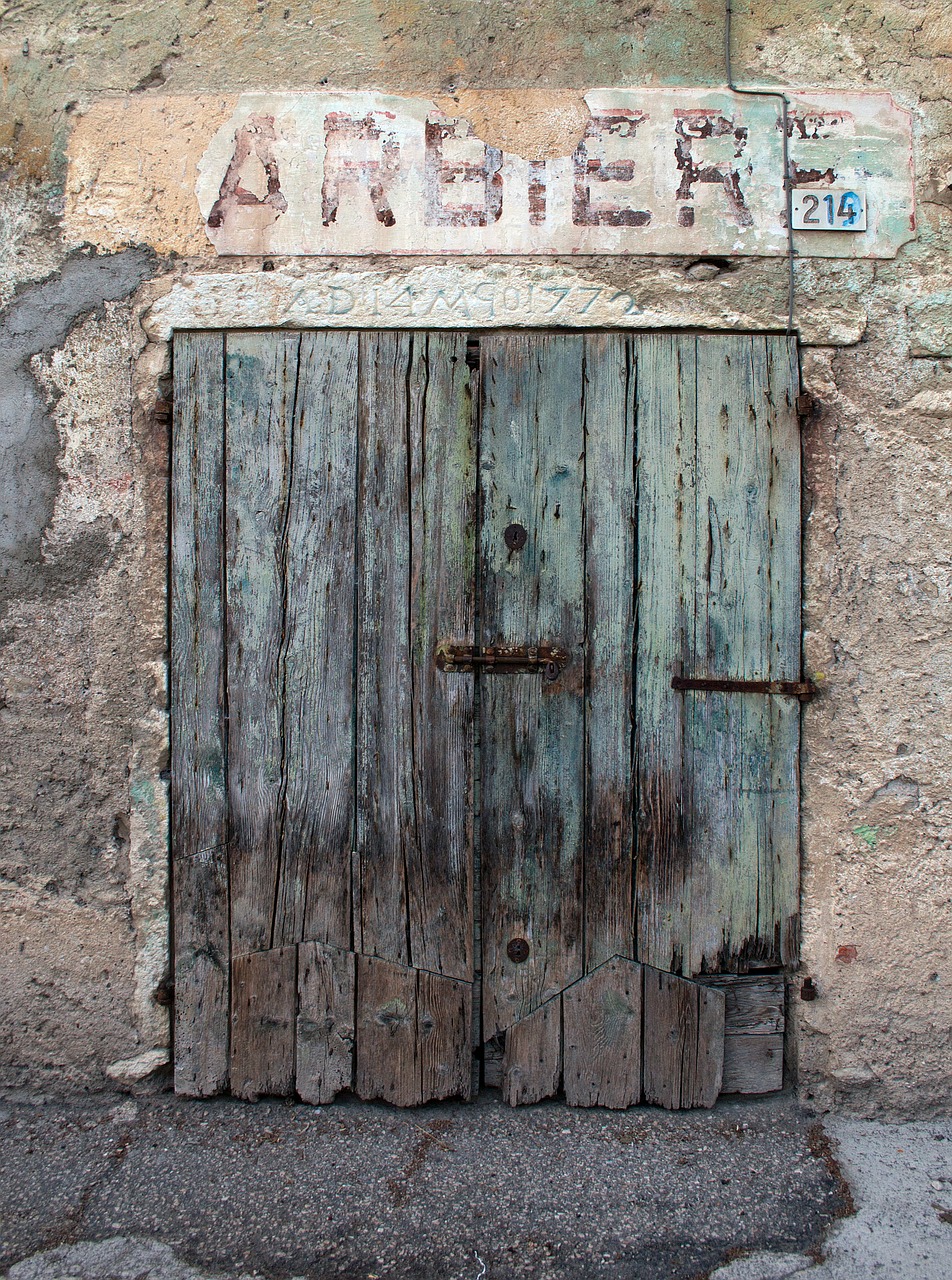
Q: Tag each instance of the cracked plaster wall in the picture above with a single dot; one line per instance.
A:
(82, 610)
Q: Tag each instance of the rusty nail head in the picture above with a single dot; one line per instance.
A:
(518, 950)
(808, 991)
(515, 537)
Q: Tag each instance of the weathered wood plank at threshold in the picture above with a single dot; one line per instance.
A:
(602, 1037)
(683, 1042)
(264, 1001)
(198, 800)
(413, 1034)
(325, 1022)
(532, 1059)
(753, 1031)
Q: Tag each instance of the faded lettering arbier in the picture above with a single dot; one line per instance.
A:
(655, 171)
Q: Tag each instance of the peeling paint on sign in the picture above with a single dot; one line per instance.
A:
(657, 171)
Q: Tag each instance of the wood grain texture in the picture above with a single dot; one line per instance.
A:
(532, 732)
(413, 1034)
(532, 1060)
(666, 449)
(741, 749)
(753, 1031)
(415, 587)
(198, 799)
(325, 1022)
(261, 387)
(683, 1050)
(718, 538)
(264, 1003)
(610, 583)
(317, 714)
(754, 1002)
(753, 1064)
(601, 1037)
(444, 1031)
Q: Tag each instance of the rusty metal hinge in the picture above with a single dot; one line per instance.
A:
(802, 689)
(503, 659)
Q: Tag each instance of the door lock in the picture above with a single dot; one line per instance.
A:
(549, 659)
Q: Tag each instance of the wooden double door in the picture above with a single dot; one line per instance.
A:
(439, 814)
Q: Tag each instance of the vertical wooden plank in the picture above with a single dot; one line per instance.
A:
(384, 677)
(532, 731)
(785, 534)
(444, 1013)
(601, 1034)
(666, 400)
(442, 603)
(413, 1034)
(314, 893)
(741, 749)
(198, 802)
(683, 1042)
(387, 1048)
(264, 1000)
(532, 1061)
(261, 383)
(610, 580)
(325, 1022)
(415, 588)
(720, 596)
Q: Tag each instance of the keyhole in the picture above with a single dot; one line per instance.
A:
(518, 950)
(515, 537)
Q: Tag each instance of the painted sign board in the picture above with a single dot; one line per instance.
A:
(655, 171)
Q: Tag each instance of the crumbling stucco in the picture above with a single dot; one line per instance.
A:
(83, 826)
(82, 708)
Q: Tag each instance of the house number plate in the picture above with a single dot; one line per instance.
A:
(829, 209)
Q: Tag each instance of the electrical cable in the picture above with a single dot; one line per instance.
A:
(787, 175)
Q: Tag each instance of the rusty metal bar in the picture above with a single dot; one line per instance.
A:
(802, 689)
(502, 659)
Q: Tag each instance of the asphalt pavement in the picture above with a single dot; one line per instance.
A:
(159, 1188)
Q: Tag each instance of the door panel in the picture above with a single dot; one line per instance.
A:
(343, 507)
(199, 802)
(532, 474)
(415, 587)
(719, 573)
(611, 377)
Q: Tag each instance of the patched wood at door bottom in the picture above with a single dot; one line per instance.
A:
(317, 1021)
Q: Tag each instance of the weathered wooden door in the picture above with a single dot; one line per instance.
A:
(407, 841)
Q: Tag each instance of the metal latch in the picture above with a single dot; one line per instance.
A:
(503, 659)
(802, 689)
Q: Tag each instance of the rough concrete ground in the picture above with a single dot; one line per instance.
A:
(900, 1179)
(163, 1189)
(363, 1191)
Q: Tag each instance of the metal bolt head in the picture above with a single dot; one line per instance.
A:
(518, 950)
(515, 537)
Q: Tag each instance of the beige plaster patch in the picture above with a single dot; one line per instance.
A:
(536, 124)
(133, 164)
